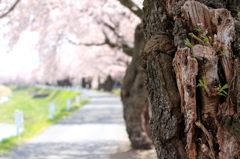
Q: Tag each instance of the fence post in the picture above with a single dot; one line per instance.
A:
(19, 120)
(52, 110)
(68, 104)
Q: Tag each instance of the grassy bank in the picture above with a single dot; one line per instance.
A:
(35, 110)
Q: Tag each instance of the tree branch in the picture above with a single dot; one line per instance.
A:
(90, 44)
(126, 49)
(133, 7)
(10, 9)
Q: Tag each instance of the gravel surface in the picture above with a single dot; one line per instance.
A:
(95, 131)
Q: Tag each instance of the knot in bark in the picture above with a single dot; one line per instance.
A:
(160, 43)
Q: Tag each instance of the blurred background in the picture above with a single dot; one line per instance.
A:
(46, 41)
(53, 54)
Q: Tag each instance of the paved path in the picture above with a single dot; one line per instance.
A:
(95, 131)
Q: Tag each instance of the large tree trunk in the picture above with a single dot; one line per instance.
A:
(192, 116)
(134, 98)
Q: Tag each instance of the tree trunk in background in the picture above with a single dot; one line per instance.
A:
(190, 122)
(134, 98)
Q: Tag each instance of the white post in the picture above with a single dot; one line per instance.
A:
(77, 99)
(19, 121)
(16, 122)
(52, 110)
(68, 104)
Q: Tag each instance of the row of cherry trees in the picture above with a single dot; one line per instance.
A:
(190, 61)
(78, 39)
(92, 35)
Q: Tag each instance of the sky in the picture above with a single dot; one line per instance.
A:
(21, 56)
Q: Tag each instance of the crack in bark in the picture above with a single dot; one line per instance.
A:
(186, 69)
(218, 22)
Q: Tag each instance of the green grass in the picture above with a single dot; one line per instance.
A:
(36, 112)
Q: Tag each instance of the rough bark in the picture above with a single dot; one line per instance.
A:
(164, 97)
(134, 98)
(186, 69)
(220, 23)
(177, 104)
(215, 21)
(208, 69)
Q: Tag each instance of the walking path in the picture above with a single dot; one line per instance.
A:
(96, 131)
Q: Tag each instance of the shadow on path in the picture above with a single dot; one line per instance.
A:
(95, 131)
(81, 150)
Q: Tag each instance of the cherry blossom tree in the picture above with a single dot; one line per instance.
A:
(87, 39)
(58, 23)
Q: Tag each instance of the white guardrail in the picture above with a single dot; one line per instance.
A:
(19, 115)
